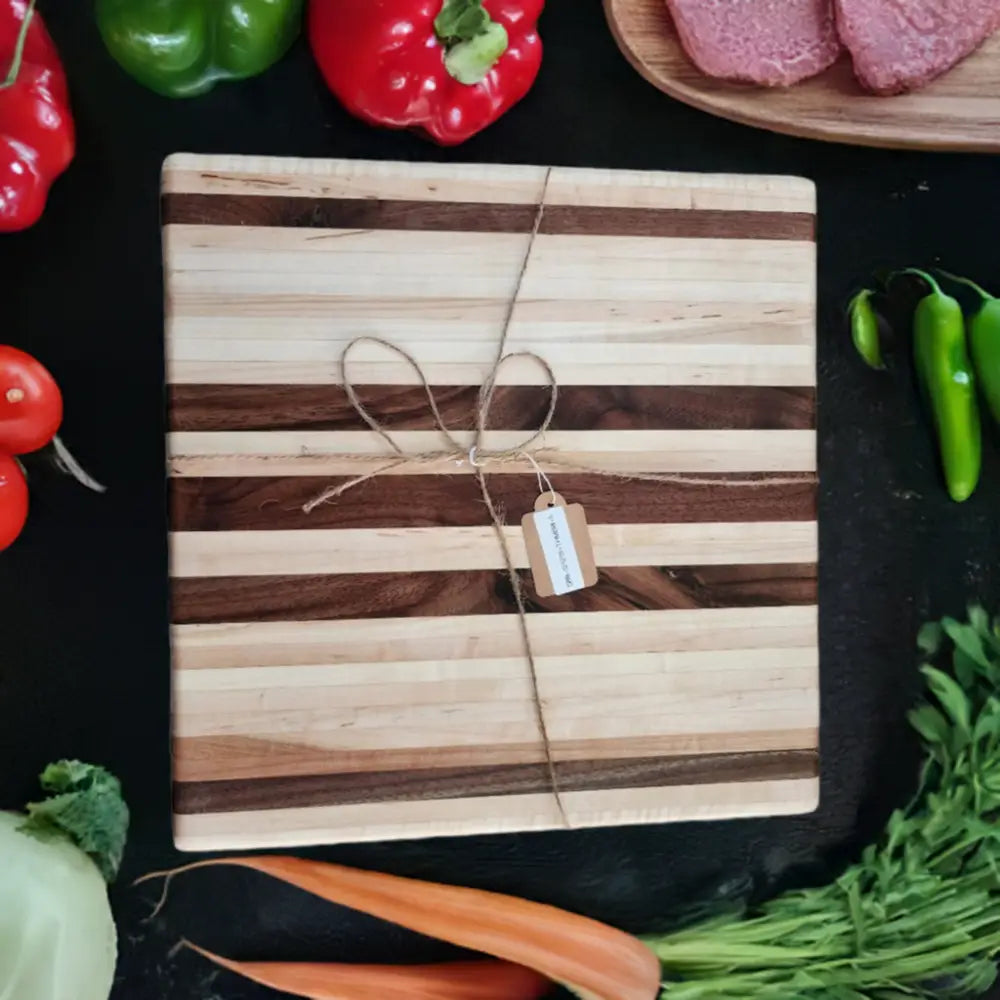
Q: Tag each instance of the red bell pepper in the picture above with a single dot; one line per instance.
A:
(448, 68)
(37, 139)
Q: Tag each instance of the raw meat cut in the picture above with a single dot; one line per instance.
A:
(773, 42)
(900, 45)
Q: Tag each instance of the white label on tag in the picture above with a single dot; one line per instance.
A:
(560, 553)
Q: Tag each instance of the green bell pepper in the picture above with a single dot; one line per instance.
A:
(182, 48)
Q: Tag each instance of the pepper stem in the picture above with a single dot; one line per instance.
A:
(472, 40)
(985, 295)
(14, 70)
(935, 287)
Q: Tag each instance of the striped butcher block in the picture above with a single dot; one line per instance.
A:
(358, 672)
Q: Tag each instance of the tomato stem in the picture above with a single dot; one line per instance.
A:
(69, 465)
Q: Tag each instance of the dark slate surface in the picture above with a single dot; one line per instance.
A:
(84, 669)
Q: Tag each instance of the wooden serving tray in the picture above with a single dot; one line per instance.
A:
(358, 673)
(958, 111)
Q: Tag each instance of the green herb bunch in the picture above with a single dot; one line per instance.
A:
(919, 914)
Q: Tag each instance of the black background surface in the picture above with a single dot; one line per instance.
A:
(84, 663)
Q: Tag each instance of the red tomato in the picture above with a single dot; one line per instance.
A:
(13, 500)
(31, 406)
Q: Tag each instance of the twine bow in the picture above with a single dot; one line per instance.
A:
(481, 459)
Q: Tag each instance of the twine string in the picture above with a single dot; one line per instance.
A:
(544, 483)
(477, 457)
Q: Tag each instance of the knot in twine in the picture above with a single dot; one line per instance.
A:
(478, 456)
(481, 459)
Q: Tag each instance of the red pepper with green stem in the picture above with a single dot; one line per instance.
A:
(37, 140)
(447, 68)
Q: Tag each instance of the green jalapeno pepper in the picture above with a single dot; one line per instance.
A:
(983, 326)
(865, 328)
(945, 374)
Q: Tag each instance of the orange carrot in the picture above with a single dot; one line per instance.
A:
(591, 959)
(487, 979)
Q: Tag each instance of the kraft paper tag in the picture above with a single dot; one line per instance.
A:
(560, 553)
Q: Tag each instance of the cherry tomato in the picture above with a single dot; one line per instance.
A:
(13, 500)
(31, 406)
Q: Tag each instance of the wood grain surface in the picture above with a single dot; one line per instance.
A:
(476, 217)
(478, 592)
(499, 779)
(958, 111)
(358, 672)
(515, 407)
(261, 503)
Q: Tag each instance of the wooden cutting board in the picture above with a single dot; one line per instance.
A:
(358, 672)
(958, 111)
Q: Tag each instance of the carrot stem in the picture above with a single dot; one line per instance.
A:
(590, 958)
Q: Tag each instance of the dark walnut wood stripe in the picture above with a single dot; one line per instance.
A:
(209, 600)
(421, 501)
(595, 220)
(613, 408)
(479, 217)
(475, 782)
(230, 757)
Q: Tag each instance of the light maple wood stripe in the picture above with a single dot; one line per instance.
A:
(235, 758)
(268, 175)
(346, 687)
(500, 183)
(620, 370)
(410, 321)
(398, 550)
(435, 350)
(471, 724)
(499, 814)
(445, 714)
(293, 644)
(567, 704)
(481, 681)
(271, 250)
(687, 669)
(722, 346)
(289, 453)
(418, 264)
(291, 296)
(472, 712)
